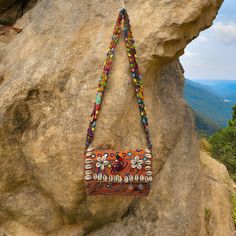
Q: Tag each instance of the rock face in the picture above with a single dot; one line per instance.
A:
(48, 78)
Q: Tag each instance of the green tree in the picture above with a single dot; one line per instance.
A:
(233, 121)
(223, 145)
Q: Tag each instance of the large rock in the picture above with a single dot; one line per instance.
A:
(49, 73)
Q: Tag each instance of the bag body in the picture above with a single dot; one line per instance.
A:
(110, 172)
(119, 172)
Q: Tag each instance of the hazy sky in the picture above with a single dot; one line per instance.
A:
(213, 54)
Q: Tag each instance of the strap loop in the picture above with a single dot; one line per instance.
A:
(134, 69)
(123, 3)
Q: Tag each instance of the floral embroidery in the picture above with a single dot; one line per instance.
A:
(102, 162)
(136, 163)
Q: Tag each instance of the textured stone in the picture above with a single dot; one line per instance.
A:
(217, 188)
(49, 73)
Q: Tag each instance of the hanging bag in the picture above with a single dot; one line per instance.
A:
(118, 172)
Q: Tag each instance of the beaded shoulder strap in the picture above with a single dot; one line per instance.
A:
(137, 79)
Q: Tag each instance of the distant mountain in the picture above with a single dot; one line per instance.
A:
(222, 88)
(209, 108)
(226, 90)
(232, 97)
(204, 125)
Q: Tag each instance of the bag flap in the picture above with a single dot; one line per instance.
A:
(118, 166)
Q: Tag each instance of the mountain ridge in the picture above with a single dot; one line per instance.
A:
(202, 99)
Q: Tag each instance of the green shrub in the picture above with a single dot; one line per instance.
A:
(223, 145)
(233, 204)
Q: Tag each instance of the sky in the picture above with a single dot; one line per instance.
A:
(212, 55)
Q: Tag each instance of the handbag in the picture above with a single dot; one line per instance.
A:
(119, 172)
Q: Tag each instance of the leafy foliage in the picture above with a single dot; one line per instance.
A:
(233, 203)
(223, 145)
(207, 219)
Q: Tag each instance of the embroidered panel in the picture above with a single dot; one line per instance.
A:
(111, 171)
